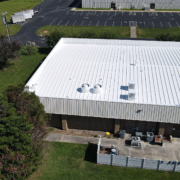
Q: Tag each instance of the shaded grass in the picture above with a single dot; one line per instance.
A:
(70, 30)
(153, 32)
(76, 161)
(12, 6)
(20, 70)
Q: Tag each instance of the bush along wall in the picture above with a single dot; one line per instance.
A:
(168, 37)
(55, 36)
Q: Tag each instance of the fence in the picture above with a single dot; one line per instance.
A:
(110, 159)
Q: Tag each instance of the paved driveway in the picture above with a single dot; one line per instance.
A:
(58, 12)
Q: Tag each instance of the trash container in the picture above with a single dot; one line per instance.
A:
(150, 137)
(101, 147)
(113, 151)
(122, 134)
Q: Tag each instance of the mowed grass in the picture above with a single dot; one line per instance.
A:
(77, 162)
(153, 32)
(12, 6)
(20, 70)
(70, 30)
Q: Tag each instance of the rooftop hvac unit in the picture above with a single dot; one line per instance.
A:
(85, 88)
(132, 94)
(97, 88)
(131, 84)
(132, 6)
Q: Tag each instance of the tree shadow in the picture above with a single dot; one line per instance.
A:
(75, 3)
(45, 50)
(91, 153)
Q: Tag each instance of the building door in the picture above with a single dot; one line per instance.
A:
(152, 5)
(176, 130)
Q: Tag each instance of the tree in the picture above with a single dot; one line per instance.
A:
(53, 38)
(19, 156)
(28, 103)
(8, 50)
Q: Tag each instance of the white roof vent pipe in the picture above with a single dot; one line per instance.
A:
(97, 88)
(33, 87)
(132, 84)
(85, 88)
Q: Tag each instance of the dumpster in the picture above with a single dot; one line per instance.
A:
(122, 134)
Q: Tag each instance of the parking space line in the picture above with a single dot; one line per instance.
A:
(59, 22)
(153, 24)
(95, 13)
(81, 13)
(144, 24)
(113, 23)
(161, 24)
(142, 14)
(82, 23)
(115, 13)
(89, 23)
(177, 24)
(108, 13)
(87, 13)
(171, 14)
(122, 13)
(178, 14)
(74, 13)
(66, 23)
(74, 23)
(101, 12)
(169, 24)
(97, 23)
(105, 23)
(164, 14)
(53, 21)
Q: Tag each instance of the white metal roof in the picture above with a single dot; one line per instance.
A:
(154, 66)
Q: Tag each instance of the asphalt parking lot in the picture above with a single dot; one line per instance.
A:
(58, 12)
(104, 18)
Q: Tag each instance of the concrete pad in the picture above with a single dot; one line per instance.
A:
(133, 32)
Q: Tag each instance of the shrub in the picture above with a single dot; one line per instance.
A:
(107, 35)
(29, 49)
(53, 38)
(8, 51)
(87, 34)
(168, 37)
(19, 156)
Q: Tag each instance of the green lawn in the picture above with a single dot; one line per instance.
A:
(12, 6)
(70, 30)
(20, 70)
(153, 32)
(66, 161)
(92, 8)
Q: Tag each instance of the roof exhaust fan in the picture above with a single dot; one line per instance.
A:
(85, 88)
(97, 88)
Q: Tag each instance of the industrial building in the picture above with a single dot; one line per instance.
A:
(108, 85)
(132, 4)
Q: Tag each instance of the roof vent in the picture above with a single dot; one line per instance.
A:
(132, 94)
(33, 87)
(85, 88)
(131, 84)
(97, 88)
